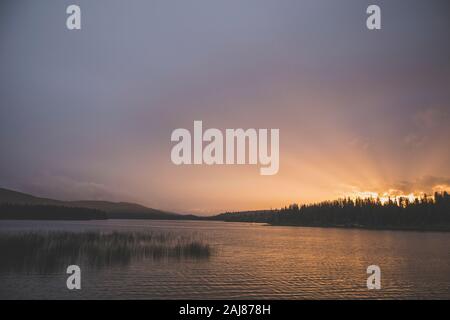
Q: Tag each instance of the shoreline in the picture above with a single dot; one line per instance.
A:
(356, 227)
(415, 229)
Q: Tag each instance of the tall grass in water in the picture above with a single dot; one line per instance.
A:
(50, 251)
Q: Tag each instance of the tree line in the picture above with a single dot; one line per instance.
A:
(48, 212)
(424, 213)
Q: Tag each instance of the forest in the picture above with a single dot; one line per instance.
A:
(48, 212)
(424, 213)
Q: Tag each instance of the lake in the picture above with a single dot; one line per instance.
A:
(252, 261)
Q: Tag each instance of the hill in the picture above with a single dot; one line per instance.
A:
(15, 202)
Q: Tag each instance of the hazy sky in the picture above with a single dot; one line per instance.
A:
(88, 114)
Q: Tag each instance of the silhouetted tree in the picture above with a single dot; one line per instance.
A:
(425, 213)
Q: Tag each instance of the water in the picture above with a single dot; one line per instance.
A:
(254, 261)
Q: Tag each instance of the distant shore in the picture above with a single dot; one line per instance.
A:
(428, 213)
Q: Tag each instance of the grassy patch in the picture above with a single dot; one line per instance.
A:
(46, 252)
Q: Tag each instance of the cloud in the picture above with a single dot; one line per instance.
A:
(426, 184)
(359, 143)
(415, 141)
(416, 188)
(427, 123)
(428, 118)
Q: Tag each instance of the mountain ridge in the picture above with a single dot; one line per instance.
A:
(113, 210)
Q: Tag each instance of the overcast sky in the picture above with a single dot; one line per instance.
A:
(88, 114)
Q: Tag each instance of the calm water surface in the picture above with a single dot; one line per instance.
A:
(254, 261)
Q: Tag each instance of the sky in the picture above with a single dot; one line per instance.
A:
(88, 114)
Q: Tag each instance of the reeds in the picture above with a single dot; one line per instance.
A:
(46, 252)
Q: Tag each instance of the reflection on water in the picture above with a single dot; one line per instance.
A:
(254, 261)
